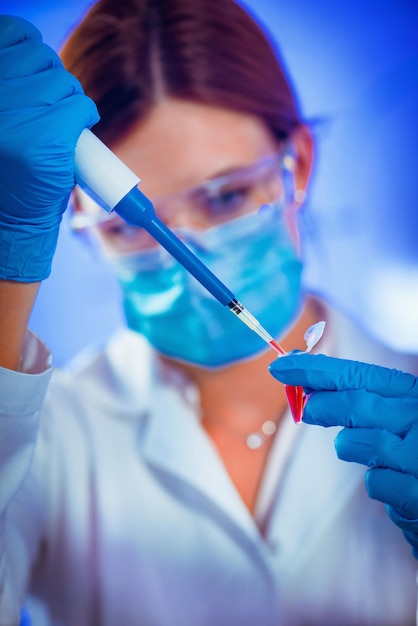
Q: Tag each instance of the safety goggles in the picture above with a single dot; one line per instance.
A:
(217, 200)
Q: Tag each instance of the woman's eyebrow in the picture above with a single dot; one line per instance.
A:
(226, 171)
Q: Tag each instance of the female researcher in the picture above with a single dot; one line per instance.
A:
(131, 489)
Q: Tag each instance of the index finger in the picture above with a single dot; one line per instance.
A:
(320, 372)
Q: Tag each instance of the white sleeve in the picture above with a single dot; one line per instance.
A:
(21, 397)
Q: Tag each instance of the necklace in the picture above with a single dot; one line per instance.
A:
(255, 439)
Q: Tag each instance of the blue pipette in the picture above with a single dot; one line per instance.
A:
(114, 186)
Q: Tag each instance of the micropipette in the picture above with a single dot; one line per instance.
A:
(114, 187)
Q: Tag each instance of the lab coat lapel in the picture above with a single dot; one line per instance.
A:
(314, 488)
(169, 434)
(174, 442)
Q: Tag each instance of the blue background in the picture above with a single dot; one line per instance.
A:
(334, 51)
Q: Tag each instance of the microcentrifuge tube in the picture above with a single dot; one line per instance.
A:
(313, 335)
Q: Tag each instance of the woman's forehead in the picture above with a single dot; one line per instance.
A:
(180, 144)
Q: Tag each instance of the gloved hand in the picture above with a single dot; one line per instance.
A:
(43, 111)
(378, 409)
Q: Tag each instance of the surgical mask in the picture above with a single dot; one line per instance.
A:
(253, 255)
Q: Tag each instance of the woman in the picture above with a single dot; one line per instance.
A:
(148, 499)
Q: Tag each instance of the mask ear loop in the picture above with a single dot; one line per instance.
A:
(294, 198)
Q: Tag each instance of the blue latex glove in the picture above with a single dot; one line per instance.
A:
(378, 409)
(43, 111)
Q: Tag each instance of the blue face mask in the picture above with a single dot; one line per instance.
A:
(253, 255)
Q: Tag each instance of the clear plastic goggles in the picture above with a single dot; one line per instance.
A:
(217, 200)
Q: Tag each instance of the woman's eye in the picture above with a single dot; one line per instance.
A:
(225, 200)
(119, 229)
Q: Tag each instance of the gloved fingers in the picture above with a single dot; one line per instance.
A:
(27, 58)
(379, 448)
(15, 29)
(43, 79)
(412, 538)
(38, 90)
(406, 523)
(395, 489)
(43, 110)
(317, 371)
(361, 409)
(56, 163)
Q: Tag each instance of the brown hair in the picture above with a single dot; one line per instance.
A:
(128, 54)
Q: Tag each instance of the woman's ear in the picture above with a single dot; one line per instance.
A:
(303, 154)
(303, 145)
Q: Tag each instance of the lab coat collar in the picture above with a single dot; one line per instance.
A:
(171, 440)
(165, 405)
(174, 442)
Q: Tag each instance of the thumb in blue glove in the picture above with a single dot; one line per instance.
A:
(43, 111)
(378, 408)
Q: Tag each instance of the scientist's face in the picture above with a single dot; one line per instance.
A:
(207, 171)
(182, 145)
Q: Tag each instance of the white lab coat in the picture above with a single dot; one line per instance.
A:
(127, 516)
